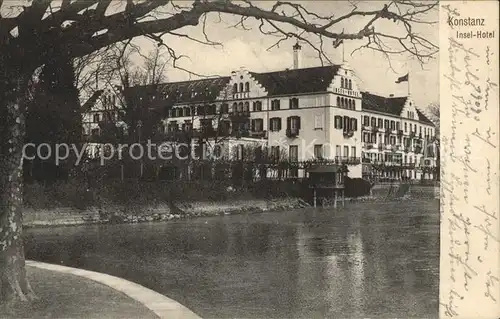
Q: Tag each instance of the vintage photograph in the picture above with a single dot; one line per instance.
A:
(219, 159)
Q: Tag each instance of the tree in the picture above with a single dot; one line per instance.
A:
(434, 114)
(53, 116)
(77, 28)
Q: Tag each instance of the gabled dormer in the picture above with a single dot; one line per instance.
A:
(345, 89)
(344, 82)
(243, 86)
(409, 110)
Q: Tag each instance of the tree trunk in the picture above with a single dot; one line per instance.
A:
(14, 285)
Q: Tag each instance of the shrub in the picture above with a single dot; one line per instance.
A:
(356, 187)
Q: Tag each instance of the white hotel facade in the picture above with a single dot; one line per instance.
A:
(305, 113)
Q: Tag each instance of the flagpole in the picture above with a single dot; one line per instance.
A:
(408, 82)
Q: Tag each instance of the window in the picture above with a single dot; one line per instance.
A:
(213, 109)
(246, 107)
(366, 120)
(354, 124)
(275, 153)
(393, 125)
(337, 151)
(275, 105)
(293, 123)
(398, 126)
(350, 85)
(294, 103)
(293, 153)
(241, 87)
(239, 152)
(347, 123)
(386, 124)
(353, 151)
(188, 126)
(96, 117)
(257, 106)
(247, 86)
(235, 88)
(187, 111)
(318, 151)
(224, 108)
(338, 122)
(374, 122)
(406, 127)
(240, 107)
(275, 124)
(338, 101)
(342, 82)
(346, 151)
(318, 122)
(95, 132)
(235, 107)
(257, 125)
(380, 123)
(173, 126)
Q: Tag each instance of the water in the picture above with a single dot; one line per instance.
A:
(366, 260)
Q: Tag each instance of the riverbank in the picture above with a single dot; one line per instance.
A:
(66, 292)
(117, 214)
(69, 296)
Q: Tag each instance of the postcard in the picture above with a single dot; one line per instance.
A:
(249, 159)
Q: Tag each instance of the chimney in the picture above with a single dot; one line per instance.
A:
(297, 56)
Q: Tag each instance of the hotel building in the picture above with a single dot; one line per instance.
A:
(300, 113)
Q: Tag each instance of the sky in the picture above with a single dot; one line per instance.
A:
(249, 49)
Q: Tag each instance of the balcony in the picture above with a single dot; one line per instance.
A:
(292, 132)
(259, 134)
(348, 134)
(347, 160)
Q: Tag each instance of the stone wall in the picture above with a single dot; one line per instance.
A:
(161, 212)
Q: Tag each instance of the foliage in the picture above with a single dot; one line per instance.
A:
(53, 117)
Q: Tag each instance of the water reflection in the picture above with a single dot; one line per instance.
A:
(361, 261)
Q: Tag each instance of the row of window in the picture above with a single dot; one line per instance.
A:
(238, 88)
(391, 139)
(388, 157)
(346, 103)
(108, 100)
(345, 83)
(346, 123)
(109, 116)
(410, 115)
(293, 151)
(292, 123)
(394, 125)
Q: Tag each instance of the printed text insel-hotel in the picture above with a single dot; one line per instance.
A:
(472, 22)
(476, 34)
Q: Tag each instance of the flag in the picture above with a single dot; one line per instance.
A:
(404, 78)
(337, 43)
